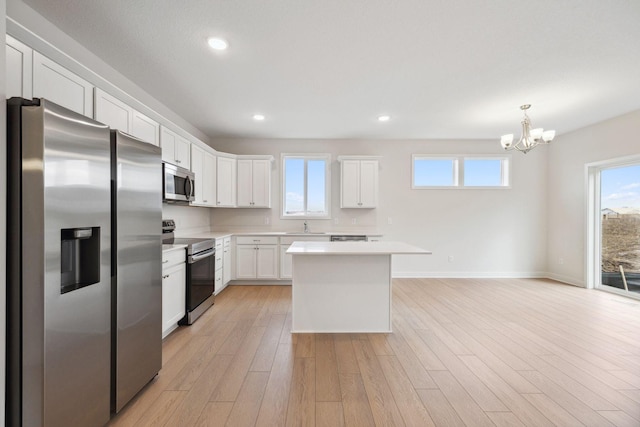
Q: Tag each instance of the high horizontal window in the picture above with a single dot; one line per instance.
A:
(453, 171)
(306, 186)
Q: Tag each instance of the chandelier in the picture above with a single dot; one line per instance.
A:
(530, 138)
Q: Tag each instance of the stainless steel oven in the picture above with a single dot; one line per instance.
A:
(201, 270)
(178, 184)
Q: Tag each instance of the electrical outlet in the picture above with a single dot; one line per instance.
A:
(450, 258)
(560, 261)
(267, 220)
(354, 221)
(389, 221)
(336, 221)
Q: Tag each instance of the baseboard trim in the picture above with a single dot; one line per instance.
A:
(566, 279)
(469, 275)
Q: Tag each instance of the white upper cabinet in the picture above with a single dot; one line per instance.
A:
(112, 112)
(226, 185)
(358, 182)
(175, 149)
(118, 115)
(59, 85)
(19, 68)
(254, 183)
(144, 128)
(203, 165)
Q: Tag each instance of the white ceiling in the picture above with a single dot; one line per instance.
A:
(328, 68)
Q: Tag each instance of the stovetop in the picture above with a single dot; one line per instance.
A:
(195, 245)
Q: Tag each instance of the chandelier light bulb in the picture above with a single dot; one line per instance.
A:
(530, 138)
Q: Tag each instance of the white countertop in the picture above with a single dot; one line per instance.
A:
(221, 234)
(355, 248)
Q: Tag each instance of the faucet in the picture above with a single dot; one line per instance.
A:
(305, 227)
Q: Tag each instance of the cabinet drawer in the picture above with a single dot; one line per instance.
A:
(257, 240)
(287, 240)
(218, 281)
(218, 245)
(175, 257)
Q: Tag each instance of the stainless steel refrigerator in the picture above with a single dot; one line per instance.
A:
(59, 267)
(60, 273)
(136, 347)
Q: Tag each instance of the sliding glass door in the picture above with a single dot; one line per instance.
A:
(619, 227)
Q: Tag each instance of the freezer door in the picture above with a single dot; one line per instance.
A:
(66, 268)
(137, 313)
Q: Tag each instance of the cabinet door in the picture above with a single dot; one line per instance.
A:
(226, 193)
(183, 152)
(245, 183)
(197, 167)
(368, 183)
(261, 183)
(246, 261)
(168, 145)
(226, 261)
(145, 128)
(112, 112)
(208, 185)
(59, 85)
(19, 68)
(173, 297)
(350, 183)
(267, 262)
(286, 262)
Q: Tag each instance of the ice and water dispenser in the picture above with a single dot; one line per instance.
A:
(80, 258)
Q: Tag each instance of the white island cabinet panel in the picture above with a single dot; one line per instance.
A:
(344, 286)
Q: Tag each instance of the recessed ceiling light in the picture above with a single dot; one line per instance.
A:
(258, 117)
(217, 43)
(384, 118)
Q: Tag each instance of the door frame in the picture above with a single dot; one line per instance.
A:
(593, 249)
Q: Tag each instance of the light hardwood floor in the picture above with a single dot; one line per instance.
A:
(474, 352)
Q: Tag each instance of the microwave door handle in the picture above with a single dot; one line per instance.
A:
(188, 188)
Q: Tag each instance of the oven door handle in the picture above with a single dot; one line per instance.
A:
(202, 255)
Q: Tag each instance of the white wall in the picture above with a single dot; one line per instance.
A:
(567, 194)
(188, 219)
(488, 232)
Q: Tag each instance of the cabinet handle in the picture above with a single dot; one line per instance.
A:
(218, 202)
(257, 241)
(164, 277)
(205, 201)
(178, 161)
(164, 262)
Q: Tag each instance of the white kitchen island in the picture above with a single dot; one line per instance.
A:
(344, 286)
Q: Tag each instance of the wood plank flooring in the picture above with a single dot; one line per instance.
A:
(464, 352)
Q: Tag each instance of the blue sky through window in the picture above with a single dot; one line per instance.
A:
(620, 187)
(295, 192)
(433, 172)
(482, 172)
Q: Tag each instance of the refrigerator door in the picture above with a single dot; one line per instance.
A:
(66, 268)
(137, 312)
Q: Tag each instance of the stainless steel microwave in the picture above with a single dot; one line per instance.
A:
(178, 184)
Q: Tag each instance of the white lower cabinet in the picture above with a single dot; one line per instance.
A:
(174, 276)
(256, 257)
(226, 261)
(286, 259)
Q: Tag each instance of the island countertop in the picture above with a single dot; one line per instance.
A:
(355, 248)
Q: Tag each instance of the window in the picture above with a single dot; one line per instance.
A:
(306, 185)
(450, 171)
